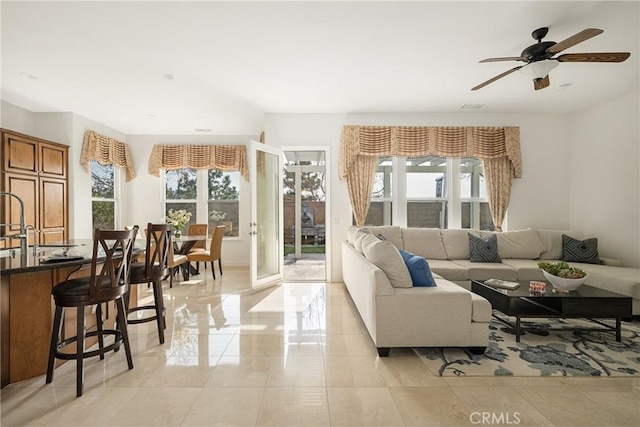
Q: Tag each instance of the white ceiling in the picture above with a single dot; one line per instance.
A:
(233, 62)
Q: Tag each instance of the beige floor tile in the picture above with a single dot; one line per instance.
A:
(242, 371)
(575, 408)
(299, 371)
(228, 406)
(502, 404)
(363, 406)
(624, 401)
(348, 345)
(353, 371)
(271, 345)
(405, 369)
(294, 406)
(430, 406)
(157, 406)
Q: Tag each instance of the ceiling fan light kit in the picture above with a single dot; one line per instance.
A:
(540, 69)
(540, 61)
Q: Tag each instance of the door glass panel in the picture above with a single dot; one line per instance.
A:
(268, 214)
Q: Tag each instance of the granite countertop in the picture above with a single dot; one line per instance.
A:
(51, 256)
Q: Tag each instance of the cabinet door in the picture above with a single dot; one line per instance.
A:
(53, 160)
(20, 153)
(25, 187)
(53, 208)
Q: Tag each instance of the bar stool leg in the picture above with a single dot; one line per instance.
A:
(55, 333)
(80, 351)
(122, 324)
(157, 295)
(99, 328)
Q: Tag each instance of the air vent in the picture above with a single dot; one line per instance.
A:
(472, 106)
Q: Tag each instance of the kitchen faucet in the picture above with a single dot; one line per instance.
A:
(24, 238)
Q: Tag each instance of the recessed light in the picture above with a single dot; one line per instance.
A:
(202, 130)
(29, 76)
(153, 116)
(472, 106)
(167, 76)
(564, 85)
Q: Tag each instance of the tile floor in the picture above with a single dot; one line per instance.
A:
(294, 355)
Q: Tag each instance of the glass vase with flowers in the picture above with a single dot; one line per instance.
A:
(179, 219)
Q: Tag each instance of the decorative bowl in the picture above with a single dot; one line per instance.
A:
(562, 284)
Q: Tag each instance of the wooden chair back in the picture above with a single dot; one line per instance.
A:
(112, 250)
(159, 251)
(198, 230)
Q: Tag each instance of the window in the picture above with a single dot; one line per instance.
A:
(223, 202)
(381, 200)
(104, 200)
(212, 196)
(426, 196)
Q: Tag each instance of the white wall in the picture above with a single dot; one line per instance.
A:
(17, 119)
(531, 195)
(144, 193)
(604, 184)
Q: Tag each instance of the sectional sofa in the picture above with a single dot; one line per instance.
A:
(448, 314)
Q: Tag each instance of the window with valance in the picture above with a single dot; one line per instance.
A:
(222, 157)
(497, 147)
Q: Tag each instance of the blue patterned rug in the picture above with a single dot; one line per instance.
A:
(544, 352)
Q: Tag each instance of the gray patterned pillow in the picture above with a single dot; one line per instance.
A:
(574, 250)
(483, 249)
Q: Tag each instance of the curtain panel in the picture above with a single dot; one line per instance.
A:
(106, 151)
(498, 147)
(222, 157)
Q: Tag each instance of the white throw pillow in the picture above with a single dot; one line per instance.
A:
(387, 257)
(358, 236)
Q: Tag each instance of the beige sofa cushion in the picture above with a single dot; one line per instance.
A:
(520, 244)
(360, 236)
(527, 268)
(552, 242)
(448, 269)
(622, 280)
(456, 242)
(387, 257)
(425, 242)
(391, 233)
(480, 309)
(487, 270)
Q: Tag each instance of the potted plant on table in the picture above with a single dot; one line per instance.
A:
(179, 219)
(562, 276)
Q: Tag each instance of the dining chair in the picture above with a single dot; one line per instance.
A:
(200, 245)
(108, 281)
(214, 252)
(154, 270)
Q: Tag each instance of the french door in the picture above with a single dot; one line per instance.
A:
(266, 215)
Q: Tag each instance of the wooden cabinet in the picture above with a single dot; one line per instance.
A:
(37, 171)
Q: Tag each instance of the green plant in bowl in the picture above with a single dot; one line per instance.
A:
(562, 276)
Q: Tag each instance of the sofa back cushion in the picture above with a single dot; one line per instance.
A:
(456, 242)
(519, 244)
(391, 233)
(425, 242)
(387, 257)
(552, 242)
(363, 237)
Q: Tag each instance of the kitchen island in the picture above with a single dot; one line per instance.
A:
(26, 305)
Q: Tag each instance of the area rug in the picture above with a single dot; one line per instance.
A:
(544, 351)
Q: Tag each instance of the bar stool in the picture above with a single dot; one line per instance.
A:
(154, 270)
(109, 281)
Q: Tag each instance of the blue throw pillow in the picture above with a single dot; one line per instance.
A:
(418, 269)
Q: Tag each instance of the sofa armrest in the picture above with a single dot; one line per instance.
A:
(611, 262)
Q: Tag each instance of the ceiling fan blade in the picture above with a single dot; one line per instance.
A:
(499, 76)
(506, 58)
(594, 57)
(574, 40)
(542, 83)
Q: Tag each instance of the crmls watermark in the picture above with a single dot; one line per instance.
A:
(493, 418)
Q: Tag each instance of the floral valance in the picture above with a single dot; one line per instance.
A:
(106, 151)
(417, 141)
(223, 157)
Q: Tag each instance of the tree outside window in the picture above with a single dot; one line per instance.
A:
(223, 200)
(103, 196)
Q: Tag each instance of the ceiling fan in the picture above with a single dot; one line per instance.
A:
(540, 61)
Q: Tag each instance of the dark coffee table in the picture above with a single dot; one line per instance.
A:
(585, 302)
